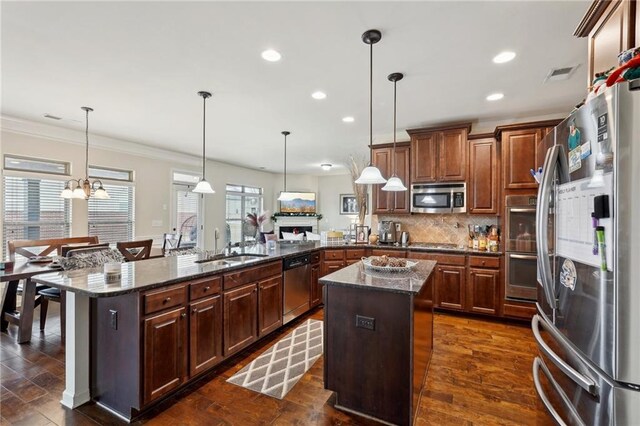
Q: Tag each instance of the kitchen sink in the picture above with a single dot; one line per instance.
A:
(245, 258)
(232, 260)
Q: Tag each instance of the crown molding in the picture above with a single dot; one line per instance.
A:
(65, 135)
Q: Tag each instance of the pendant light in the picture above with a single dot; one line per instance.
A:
(394, 183)
(282, 196)
(82, 187)
(371, 174)
(204, 187)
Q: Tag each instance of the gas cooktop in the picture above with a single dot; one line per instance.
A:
(449, 246)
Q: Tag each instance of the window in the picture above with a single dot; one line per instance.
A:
(34, 210)
(25, 164)
(112, 220)
(241, 200)
(187, 208)
(110, 174)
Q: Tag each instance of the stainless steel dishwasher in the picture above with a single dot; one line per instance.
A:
(297, 287)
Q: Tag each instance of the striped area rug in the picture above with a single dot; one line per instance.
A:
(279, 368)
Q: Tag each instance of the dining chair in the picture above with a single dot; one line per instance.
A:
(32, 248)
(77, 248)
(135, 250)
(171, 241)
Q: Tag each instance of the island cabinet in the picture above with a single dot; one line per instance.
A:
(439, 154)
(483, 188)
(316, 288)
(449, 284)
(252, 305)
(392, 202)
(378, 338)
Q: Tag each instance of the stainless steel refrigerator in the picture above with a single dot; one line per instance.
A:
(587, 370)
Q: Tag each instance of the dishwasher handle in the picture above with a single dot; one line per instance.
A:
(296, 262)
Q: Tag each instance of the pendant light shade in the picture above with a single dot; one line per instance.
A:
(204, 187)
(282, 194)
(82, 187)
(371, 174)
(394, 183)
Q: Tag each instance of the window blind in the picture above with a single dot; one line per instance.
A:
(34, 210)
(112, 220)
(187, 208)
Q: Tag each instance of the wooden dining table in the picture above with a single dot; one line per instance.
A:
(22, 315)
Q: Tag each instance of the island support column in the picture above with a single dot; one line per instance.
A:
(77, 347)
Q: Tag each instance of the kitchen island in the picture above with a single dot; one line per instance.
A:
(378, 340)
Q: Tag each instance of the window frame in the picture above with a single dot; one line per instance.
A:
(179, 185)
(132, 209)
(243, 194)
(66, 164)
(130, 173)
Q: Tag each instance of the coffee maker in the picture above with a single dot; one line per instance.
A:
(387, 232)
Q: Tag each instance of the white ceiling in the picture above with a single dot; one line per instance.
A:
(140, 64)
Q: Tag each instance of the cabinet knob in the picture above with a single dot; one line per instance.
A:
(184, 314)
(483, 262)
(439, 269)
(254, 290)
(167, 300)
(207, 288)
(194, 310)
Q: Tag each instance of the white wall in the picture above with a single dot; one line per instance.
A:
(329, 190)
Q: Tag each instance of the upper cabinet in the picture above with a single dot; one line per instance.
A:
(439, 154)
(520, 151)
(611, 26)
(483, 188)
(391, 202)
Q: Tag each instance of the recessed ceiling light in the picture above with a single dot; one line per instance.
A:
(503, 57)
(318, 95)
(495, 96)
(348, 119)
(325, 166)
(271, 55)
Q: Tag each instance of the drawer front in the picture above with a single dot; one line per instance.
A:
(484, 261)
(205, 287)
(250, 275)
(450, 259)
(315, 257)
(333, 254)
(355, 254)
(421, 255)
(388, 253)
(158, 300)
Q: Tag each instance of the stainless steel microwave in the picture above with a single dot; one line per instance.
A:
(450, 197)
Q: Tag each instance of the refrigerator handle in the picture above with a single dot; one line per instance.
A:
(582, 381)
(555, 161)
(539, 365)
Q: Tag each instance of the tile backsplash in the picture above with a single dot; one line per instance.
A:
(436, 228)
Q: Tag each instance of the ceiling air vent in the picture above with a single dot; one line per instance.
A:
(53, 117)
(557, 74)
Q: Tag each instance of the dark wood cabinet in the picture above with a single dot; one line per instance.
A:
(452, 151)
(439, 154)
(483, 290)
(329, 266)
(482, 192)
(240, 318)
(269, 305)
(519, 152)
(165, 361)
(205, 334)
(450, 287)
(316, 287)
(392, 202)
(388, 253)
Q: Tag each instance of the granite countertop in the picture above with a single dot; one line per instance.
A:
(397, 282)
(157, 272)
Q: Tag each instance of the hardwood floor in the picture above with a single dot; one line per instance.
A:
(480, 374)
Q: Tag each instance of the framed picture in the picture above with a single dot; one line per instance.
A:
(362, 234)
(348, 204)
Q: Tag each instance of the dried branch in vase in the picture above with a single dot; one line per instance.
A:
(360, 191)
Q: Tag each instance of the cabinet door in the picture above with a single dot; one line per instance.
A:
(316, 288)
(483, 177)
(164, 353)
(402, 198)
(329, 266)
(450, 287)
(240, 318)
(519, 148)
(269, 305)
(453, 155)
(205, 334)
(482, 293)
(382, 200)
(424, 158)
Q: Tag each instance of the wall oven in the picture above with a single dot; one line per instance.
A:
(520, 247)
(439, 198)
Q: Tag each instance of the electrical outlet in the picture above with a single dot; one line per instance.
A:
(113, 319)
(365, 322)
